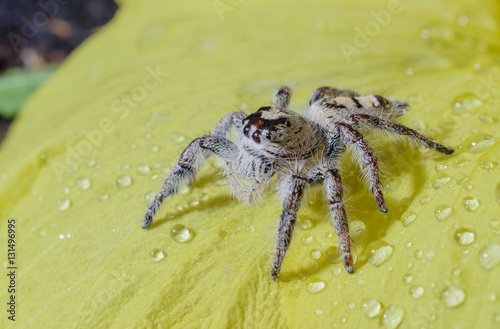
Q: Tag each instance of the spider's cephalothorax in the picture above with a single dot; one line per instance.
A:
(301, 150)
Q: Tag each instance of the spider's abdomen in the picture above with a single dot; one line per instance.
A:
(326, 111)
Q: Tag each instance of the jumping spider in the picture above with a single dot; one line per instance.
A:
(301, 150)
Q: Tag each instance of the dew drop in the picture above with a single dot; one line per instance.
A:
(440, 167)
(478, 143)
(464, 237)
(378, 252)
(63, 205)
(442, 212)
(102, 197)
(181, 234)
(392, 317)
(304, 223)
(371, 308)
(156, 254)
(124, 181)
(489, 256)
(333, 255)
(440, 180)
(470, 203)
(460, 178)
(452, 296)
(315, 254)
(418, 254)
(407, 218)
(336, 271)
(358, 231)
(315, 285)
(488, 165)
(153, 148)
(143, 169)
(416, 292)
(407, 278)
(307, 240)
(177, 139)
(466, 103)
(83, 183)
(351, 305)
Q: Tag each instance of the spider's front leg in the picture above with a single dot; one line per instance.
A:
(322, 92)
(187, 167)
(291, 205)
(334, 193)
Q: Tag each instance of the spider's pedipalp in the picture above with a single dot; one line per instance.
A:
(322, 92)
(334, 194)
(354, 137)
(188, 165)
(282, 97)
(397, 128)
(291, 205)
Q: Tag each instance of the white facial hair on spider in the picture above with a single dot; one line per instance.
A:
(301, 150)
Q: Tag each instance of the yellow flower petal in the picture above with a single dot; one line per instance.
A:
(90, 148)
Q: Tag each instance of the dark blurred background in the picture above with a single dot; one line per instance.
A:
(36, 35)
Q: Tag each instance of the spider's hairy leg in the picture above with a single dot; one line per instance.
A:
(354, 137)
(257, 186)
(334, 193)
(291, 205)
(397, 128)
(323, 92)
(282, 97)
(223, 127)
(187, 167)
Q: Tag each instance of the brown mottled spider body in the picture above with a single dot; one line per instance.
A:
(301, 150)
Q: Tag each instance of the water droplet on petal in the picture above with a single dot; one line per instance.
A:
(156, 255)
(333, 255)
(453, 296)
(336, 271)
(144, 169)
(392, 317)
(315, 254)
(407, 278)
(416, 292)
(407, 218)
(102, 197)
(304, 223)
(478, 143)
(464, 237)
(315, 285)
(371, 308)
(466, 103)
(83, 183)
(442, 212)
(489, 256)
(178, 138)
(439, 180)
(378, 252)
(470, 203)
(124, 181)
(63, 205)
(181, 234)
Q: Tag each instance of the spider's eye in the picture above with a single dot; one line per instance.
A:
(246, 130)
(256, 137)
(268, 136)
(288, 124)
